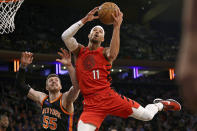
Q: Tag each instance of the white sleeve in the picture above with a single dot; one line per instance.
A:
(67, 36)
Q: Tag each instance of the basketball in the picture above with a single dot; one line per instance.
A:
(105, 12)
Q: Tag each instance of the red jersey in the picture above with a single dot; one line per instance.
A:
(93, 70)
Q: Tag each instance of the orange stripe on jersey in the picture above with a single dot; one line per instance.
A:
(64, 109)
(56, 99)
(71, 123)
(44, 100)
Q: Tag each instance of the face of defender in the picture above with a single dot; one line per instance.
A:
(53, 84)
(4, 122)
(96, 35)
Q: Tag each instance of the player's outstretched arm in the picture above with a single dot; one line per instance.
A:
(70, 96)
(112, 52)
(25, 89)
(67, 36)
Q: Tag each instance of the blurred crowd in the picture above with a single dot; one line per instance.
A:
(39, 29)
(24, 114)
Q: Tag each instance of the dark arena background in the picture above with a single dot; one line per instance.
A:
(144, 70)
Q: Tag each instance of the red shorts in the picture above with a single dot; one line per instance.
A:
(107, 102)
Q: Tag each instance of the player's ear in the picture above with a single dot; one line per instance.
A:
(102, 39)
(47, 87)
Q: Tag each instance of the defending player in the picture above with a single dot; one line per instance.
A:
(93, 65)
(57, 107)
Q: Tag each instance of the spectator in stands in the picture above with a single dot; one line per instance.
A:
(4, 122)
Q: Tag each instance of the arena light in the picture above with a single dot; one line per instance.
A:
(135, 72)
(135, 69)
(47, 72)
(59, 70)
(62, 72)
(171, 73)
(16, 65)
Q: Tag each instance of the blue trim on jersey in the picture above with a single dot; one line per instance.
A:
(68, 122)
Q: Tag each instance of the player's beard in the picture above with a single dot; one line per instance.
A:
(94, 41)
(54, 88)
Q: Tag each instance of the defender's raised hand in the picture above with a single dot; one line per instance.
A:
(26, 59)
(65, 57)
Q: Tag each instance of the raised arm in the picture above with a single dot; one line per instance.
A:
(70, 96)
(25, 89)
(112, 52)
(67, 36)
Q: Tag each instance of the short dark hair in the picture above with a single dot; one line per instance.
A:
(51, 75)
(3, 115)
(3, 112)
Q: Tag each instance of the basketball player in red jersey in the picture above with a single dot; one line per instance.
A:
(93, 65)
(57, 108)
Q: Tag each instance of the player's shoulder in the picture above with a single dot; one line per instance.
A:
(77, 51)
(81, 46)
(106, 51)
(43, 97)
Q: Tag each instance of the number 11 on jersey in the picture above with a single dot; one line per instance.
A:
(95, 74)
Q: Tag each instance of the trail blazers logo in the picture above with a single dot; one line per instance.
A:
(89, 62)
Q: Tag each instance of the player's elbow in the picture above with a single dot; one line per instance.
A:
(64, 36)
